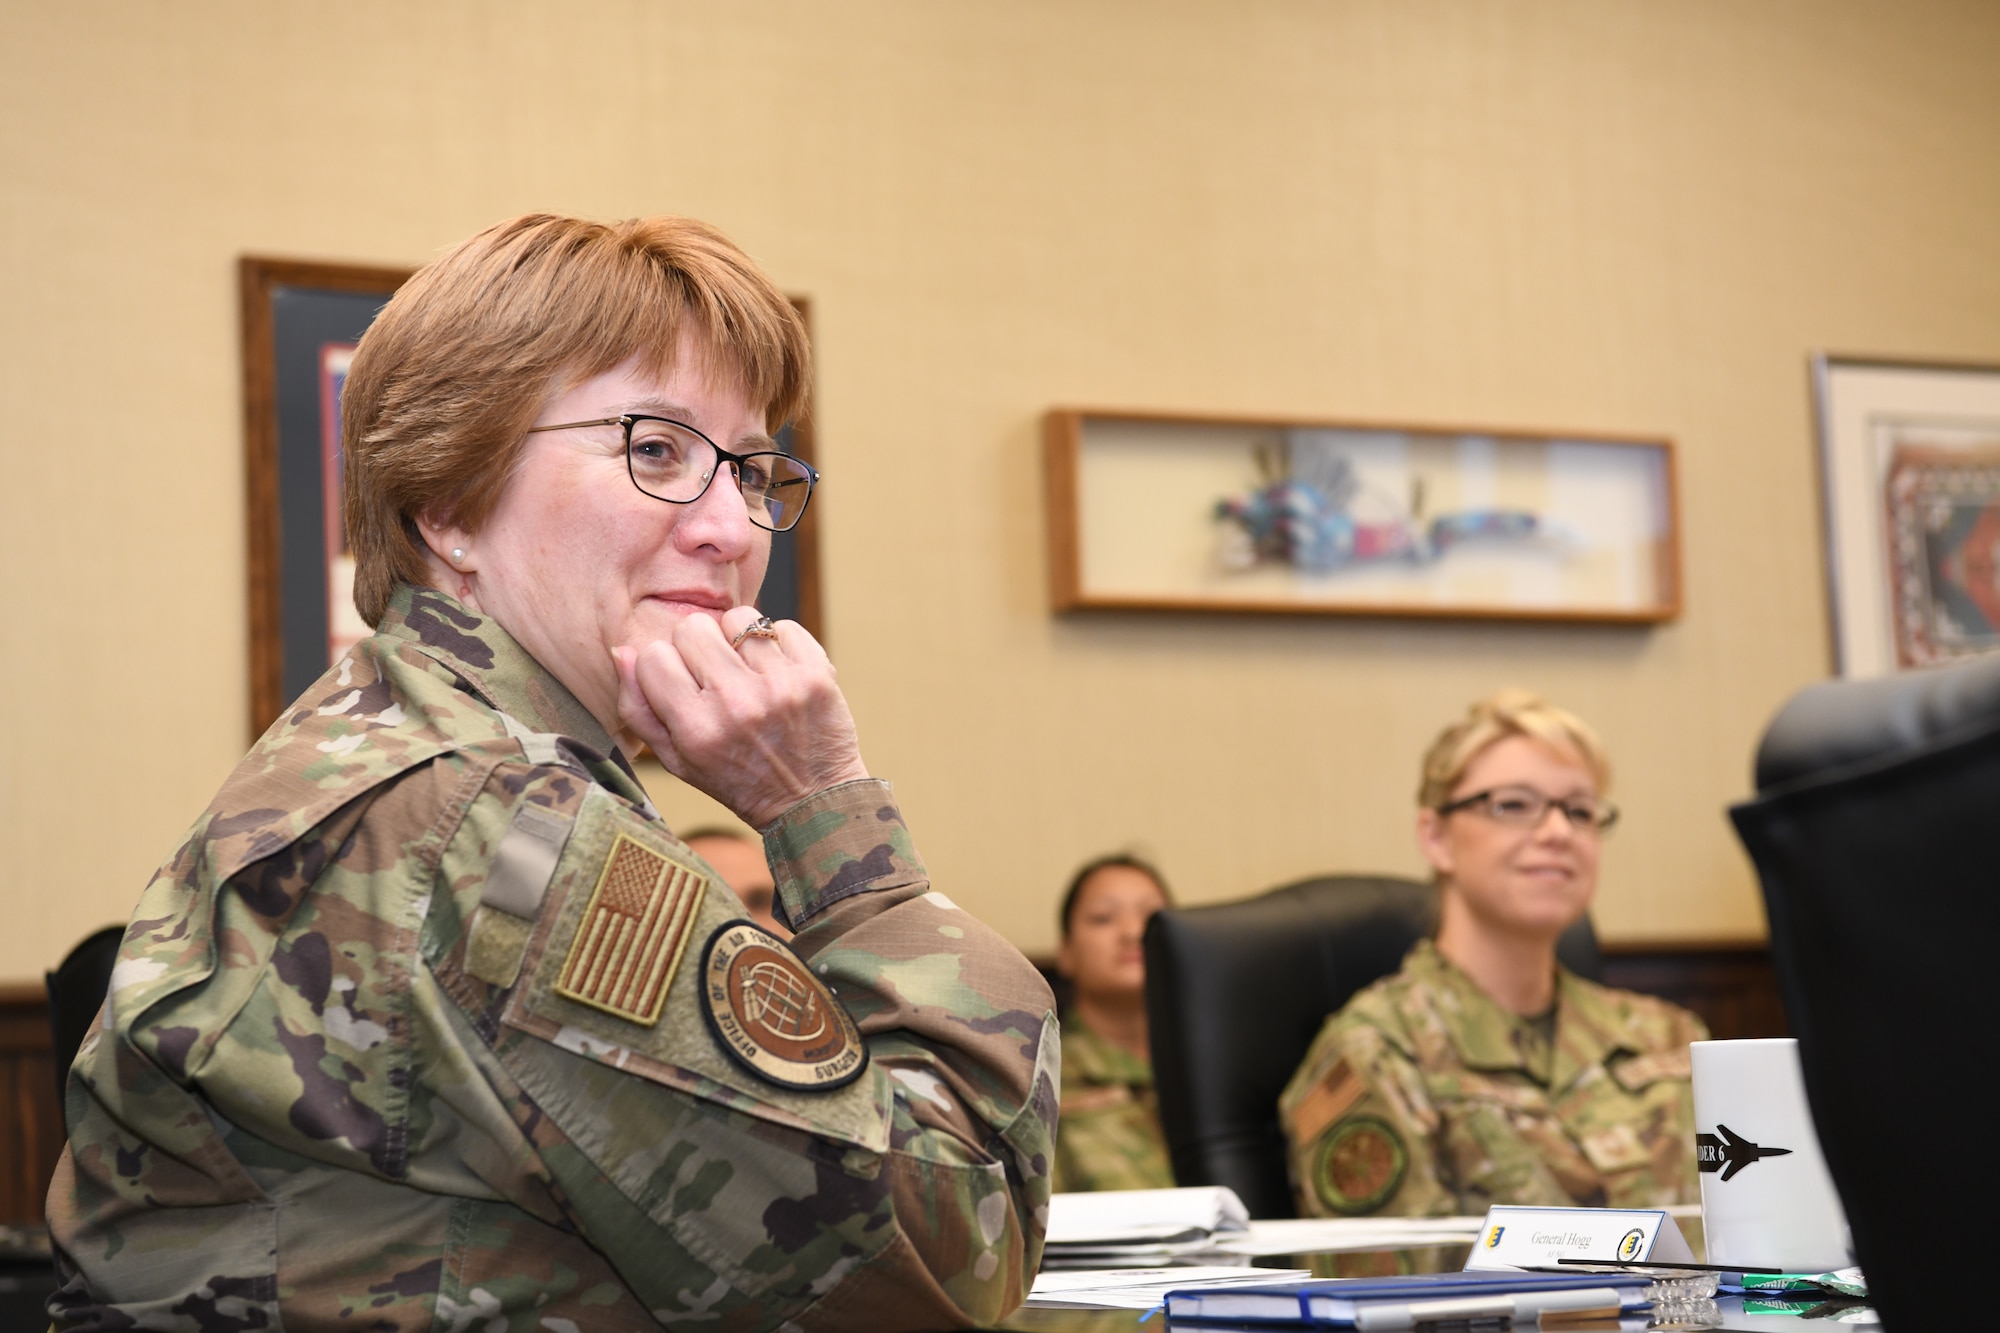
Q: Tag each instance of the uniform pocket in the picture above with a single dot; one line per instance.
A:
(1639, 1072)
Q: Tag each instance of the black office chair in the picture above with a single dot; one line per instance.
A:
(76, 995)
(1872, 832)
(1235, 994)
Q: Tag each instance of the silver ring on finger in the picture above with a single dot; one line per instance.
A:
(760, 628)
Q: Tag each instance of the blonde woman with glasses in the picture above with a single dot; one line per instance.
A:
(1484, 1072)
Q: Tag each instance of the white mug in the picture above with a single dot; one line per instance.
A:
(1766, 1198)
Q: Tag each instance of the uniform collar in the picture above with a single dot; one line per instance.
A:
(1095, 1060)
(500, 671)
(1488, 1036)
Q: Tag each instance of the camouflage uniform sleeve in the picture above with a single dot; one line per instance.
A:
(961, 1025)
(369, 1072)
(1360, 1127)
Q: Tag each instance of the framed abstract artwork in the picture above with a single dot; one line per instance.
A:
(1157, 511)
(1910, 483)
(301, 321)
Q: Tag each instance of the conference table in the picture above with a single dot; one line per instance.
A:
(21, 1293)
(1431, 1258)
(1729, 1317)
(1728, 1312)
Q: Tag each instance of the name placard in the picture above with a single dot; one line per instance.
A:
(1537, 1237)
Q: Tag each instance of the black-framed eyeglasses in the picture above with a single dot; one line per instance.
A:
(672, 461)
(1524, 807)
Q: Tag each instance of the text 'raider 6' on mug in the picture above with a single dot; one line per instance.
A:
(1766, 1198)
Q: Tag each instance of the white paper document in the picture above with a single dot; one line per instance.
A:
(1144, 1288)
(1338, 1235)
(1109, 1218)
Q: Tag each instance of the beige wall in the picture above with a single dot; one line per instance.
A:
(1593, 215)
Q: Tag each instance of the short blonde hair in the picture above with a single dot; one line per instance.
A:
(455, 369)
(1510, 712)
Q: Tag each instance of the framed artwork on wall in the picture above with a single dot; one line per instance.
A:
(1157, 511)
(301, 321)
(791, 582)
(1910, 484)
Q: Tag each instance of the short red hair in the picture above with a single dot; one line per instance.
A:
(457, 366)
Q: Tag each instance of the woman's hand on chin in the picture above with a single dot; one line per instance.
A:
(760, 726)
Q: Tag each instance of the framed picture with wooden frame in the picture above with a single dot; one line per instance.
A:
(1910, 478)
(301, 321)
(1154, 511)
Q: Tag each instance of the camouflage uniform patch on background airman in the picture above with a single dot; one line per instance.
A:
(1110, 1137)
(773, 1015)
(1360, 1165)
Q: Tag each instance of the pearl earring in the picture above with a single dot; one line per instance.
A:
(457, 553)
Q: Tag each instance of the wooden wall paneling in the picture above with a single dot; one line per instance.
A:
(31, 1132)
(1730, 985)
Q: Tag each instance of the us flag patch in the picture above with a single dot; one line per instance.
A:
(632, 934)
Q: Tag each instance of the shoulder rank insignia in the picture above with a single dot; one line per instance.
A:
(773, 1015)
(632, 934)
(1359, 1165)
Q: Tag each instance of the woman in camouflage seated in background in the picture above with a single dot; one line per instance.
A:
(1110, 1135)
(1484, 1072)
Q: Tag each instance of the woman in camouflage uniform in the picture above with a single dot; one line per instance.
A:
(431, 1022)
(1110, 1131)
(1484, 1072)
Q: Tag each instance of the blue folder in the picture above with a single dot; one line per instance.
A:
(1389, 1302)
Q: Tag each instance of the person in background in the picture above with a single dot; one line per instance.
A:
(1484, 1072)
(1108, 1135)
(739, 859)
(431, 1021)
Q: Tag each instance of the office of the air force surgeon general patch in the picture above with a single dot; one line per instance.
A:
(772, 1015)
